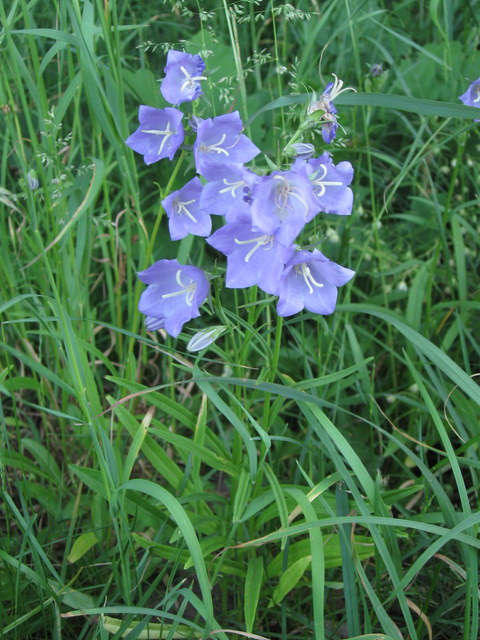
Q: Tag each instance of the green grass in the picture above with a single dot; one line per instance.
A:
(306, 477)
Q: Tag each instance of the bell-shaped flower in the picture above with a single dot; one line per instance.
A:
(282, 204)
(310, 281)
(173, 295)
(253, 257)
(184, 212)
(329, 183)
(183, 73)
(221, 145)
(159, 135)
(471, 97)
(229, 197)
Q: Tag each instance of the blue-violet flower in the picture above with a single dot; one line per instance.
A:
(310, 281)
(173, 296)
(159, 135)
(329, 183)
(282, 204)
(471, 97)
(220, 144)
(183, 73)
(229, 197)
(184, 213)
(253, 257)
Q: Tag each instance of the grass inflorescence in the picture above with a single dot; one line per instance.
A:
(311, 476)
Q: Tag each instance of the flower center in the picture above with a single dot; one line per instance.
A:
(187, 290)
(215, 146)
(476, 93)
(304, 270)
(180, 208)
(190, 81)
(283, 195)
(166, 133)
(260, 241)
(319, 183)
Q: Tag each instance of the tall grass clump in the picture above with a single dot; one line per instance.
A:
(259, 473)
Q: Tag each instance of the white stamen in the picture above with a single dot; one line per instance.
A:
(304, 270)
(260, 241)
(158, 132)
(476, 91)
(215, 147)
(190, 80)
(232, 187)
(318, 181)
(188, 290)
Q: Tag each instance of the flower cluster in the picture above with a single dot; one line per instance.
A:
(263, 213)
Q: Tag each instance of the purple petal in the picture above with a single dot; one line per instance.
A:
(159, 135)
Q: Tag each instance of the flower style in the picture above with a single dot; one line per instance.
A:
(310, 281)
(329, 183)
(220, 145)
(253, 257)
(471, 97)
(173, 296)
(159, 135)
(183, 73)
(283, 203)
(184, 212)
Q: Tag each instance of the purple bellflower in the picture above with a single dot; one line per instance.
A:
(282, 204)
(173, 296)
(229, 197)
(184, 213)
(310, 281)
(221, 145)
(253, 257)
(159, 135)
(183, 73)
(329, 183)
(471, 97)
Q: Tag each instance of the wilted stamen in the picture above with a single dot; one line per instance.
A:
(180, 208)
(284, 193)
